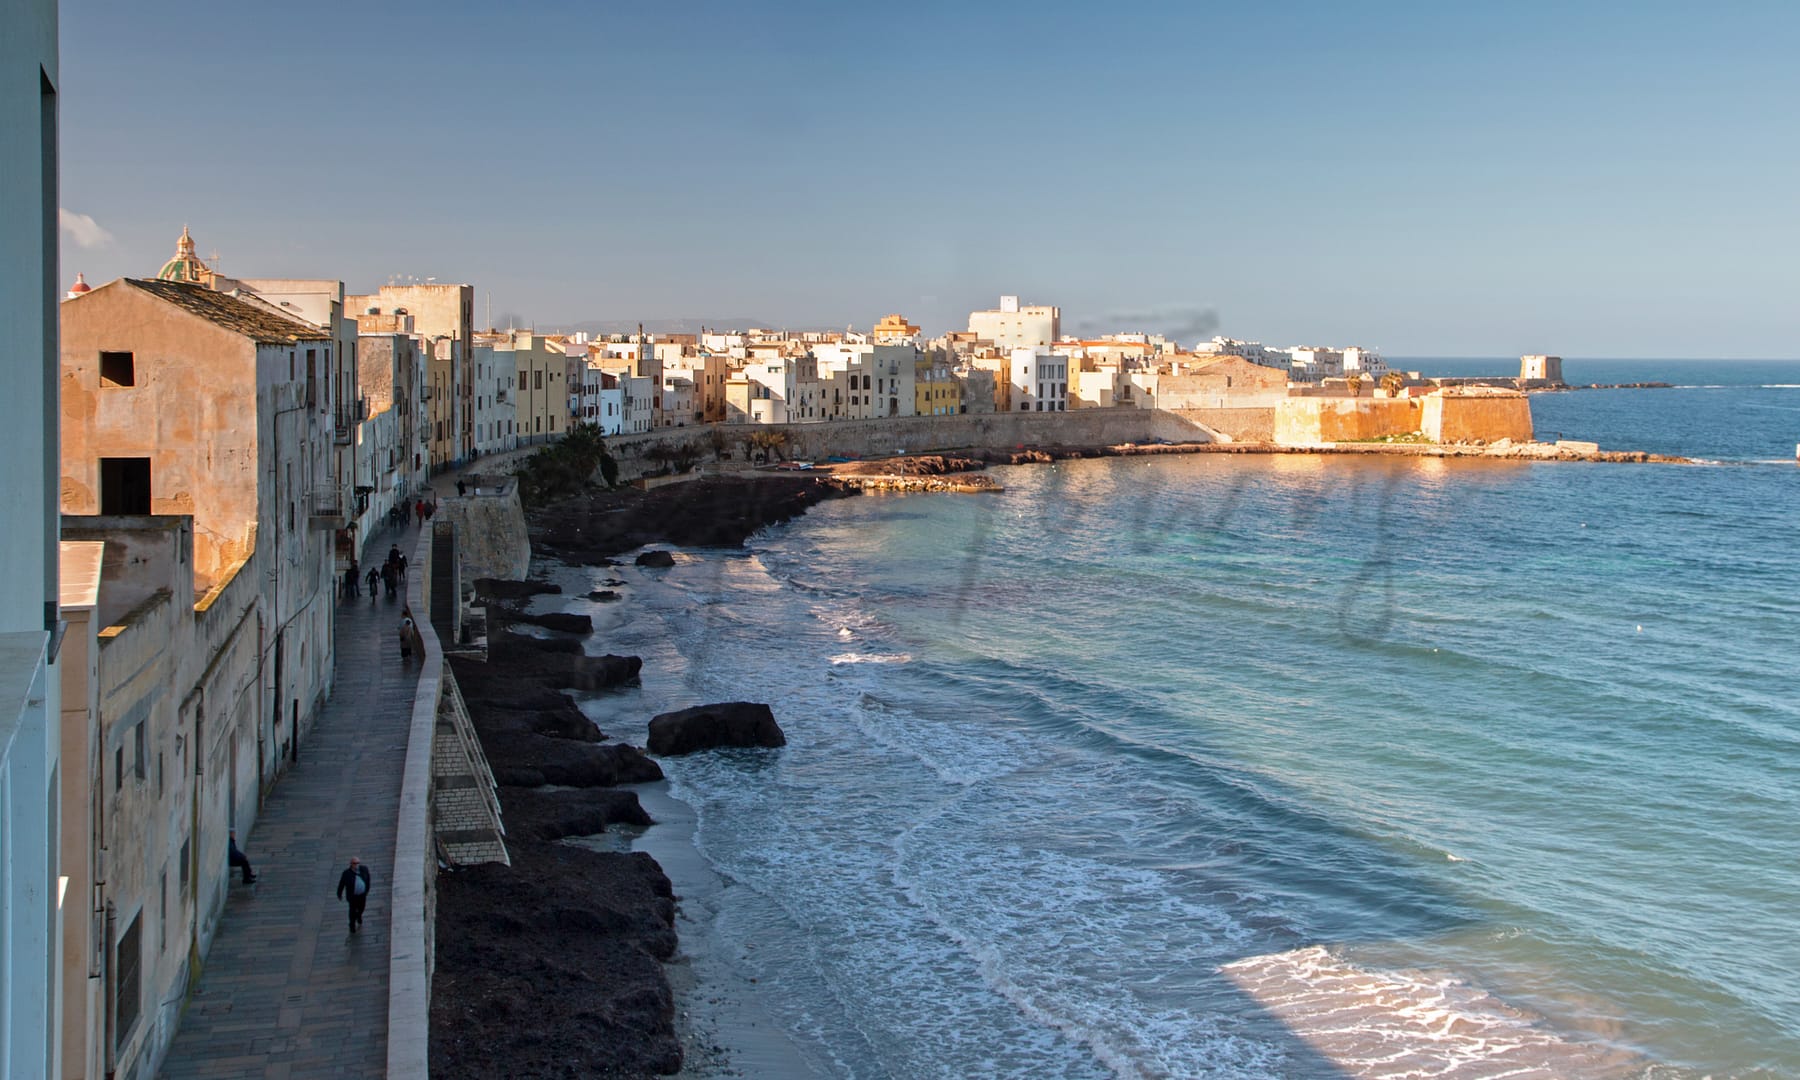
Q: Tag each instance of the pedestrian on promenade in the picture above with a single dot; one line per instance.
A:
(409, 633)
(430, 510)
(374, 578)
(460, 489)
(353, 579)
(388, 576)
(419, 510)
(401, 567)
(237, 858)
(353, 885)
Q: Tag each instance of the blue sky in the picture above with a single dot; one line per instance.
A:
(1590, 179)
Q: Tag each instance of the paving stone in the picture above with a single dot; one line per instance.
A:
(283, 974)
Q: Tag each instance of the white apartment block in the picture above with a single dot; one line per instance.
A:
(1040, 380)
(1016, 326)
(494, 375)
(641, 394)
(896, 374)
(1254, 351)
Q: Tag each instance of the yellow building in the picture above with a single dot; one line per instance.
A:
(892, 329)
(936, 389)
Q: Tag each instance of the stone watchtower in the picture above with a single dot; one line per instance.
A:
(1546, 369)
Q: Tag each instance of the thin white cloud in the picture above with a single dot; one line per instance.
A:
(84, 230)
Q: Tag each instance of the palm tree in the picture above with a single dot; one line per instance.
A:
(1353, 383)
(1393, 382)
(773, 440)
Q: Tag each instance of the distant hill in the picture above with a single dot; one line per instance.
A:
(602, 327)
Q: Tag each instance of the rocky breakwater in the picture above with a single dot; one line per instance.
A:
(923, 472)
(553, 966)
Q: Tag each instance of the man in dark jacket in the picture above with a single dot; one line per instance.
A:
(353, 885)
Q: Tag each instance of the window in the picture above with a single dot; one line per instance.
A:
(128, 960)
(124, 485)
(118, 768)
(186, 845)
(537, 380)
(137, 739)
(117, 369)
(162, 915)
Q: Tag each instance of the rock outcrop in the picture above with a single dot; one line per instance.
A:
(705, 727)
(501, 589)
(656, 558)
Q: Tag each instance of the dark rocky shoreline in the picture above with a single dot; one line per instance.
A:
(553, 967)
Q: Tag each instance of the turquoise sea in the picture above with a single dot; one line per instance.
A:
(1272, 766)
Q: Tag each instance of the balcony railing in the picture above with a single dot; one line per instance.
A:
(330, 506)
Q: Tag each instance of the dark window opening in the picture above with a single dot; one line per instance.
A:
(124, 485)
(128, 959)
(117, 369)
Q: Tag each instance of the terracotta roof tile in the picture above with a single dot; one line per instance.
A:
(238, 316)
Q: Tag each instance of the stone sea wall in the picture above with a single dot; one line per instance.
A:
(490, 532)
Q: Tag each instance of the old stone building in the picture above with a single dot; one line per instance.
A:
(198, 453)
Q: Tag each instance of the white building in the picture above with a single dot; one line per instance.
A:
(1367, 361)
(846, 378)
(609, 406)
(31, 873)
(1310, 363)
(1254, 351)
(895, 369)
(1040, 380)
(492, 398)
(680, 400)
(783, 391)
(1013, 326)
(640, 397)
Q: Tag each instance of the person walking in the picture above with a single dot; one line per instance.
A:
(353, 885)
(388, 576)
(237, 859)
(409, 634)
(461, 489)
(419, 511)
(353, 579)
(374, 580)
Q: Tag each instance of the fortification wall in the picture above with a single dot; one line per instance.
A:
(1453, 418)
(1308, 421)
(1239, 424)
(490, 532)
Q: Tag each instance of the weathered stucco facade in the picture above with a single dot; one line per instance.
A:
(169, 708)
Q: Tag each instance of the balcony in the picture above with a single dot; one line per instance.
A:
(329, 506)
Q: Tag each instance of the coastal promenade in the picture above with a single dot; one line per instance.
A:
(286, 992)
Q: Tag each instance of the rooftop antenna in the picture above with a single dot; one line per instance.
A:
(490, 307)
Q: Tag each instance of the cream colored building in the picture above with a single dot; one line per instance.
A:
(444, 315)
(782, 391)
(197, 440)
(1016, 326)
(541, 399)
(707, 372)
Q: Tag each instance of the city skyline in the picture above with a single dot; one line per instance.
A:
(1424, 181)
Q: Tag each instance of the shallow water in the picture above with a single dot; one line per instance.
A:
(1267, 767)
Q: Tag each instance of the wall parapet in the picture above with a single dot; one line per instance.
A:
(411, 951)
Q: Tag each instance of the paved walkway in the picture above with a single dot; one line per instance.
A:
(286, 992)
